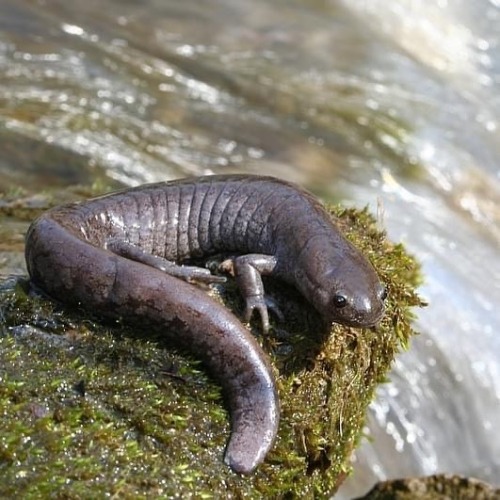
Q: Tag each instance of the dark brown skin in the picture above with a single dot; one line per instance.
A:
(119, 255)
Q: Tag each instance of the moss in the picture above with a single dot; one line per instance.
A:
(89, 408)
(437, 487)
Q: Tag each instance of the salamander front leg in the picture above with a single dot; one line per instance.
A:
(248, 270)
(186, 273)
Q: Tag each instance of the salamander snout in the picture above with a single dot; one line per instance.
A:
(360, 308)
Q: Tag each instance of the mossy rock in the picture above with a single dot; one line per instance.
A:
(436, 487)
(91, 409)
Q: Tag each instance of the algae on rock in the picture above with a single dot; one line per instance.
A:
(89, 408)
(435, 487)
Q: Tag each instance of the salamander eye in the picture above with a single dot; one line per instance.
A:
(383, 293)
(339, 301)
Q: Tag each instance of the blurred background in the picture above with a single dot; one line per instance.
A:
(392, 104)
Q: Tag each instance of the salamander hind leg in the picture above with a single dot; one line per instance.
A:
(186, 273)
(248, 269)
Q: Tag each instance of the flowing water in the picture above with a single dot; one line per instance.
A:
(393, 104)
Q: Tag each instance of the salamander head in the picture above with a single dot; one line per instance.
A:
(353, 306)
(345, 289)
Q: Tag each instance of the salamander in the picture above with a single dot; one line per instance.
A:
(124, 255)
